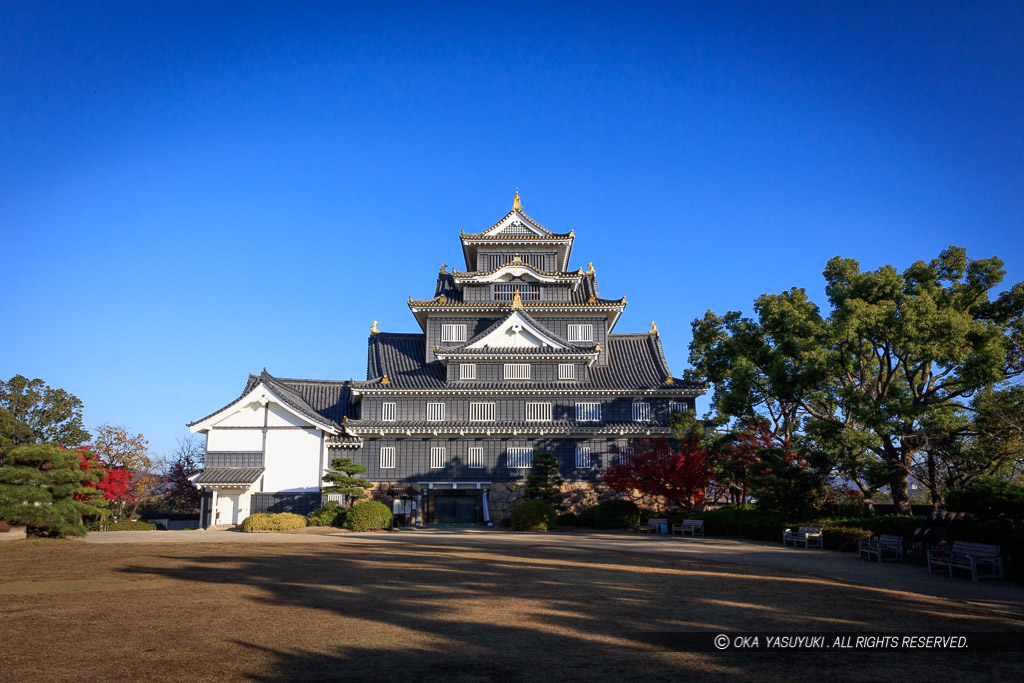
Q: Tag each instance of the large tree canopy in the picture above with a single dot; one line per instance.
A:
(50, 415)
(896, 356)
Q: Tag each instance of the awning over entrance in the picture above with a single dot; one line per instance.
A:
(228, 476)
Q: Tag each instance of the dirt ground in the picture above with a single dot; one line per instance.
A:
(269, 612)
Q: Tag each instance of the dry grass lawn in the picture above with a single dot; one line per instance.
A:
(78, 611)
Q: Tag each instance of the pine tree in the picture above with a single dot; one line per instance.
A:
(544, 483)
(45, 487)
(343, 481)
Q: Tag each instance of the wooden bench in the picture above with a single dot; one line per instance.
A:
(810, 536)
(884, 548)
(983, 560)
(653, 525)
(694, 527)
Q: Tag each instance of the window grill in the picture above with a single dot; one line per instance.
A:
(438, 458)
(387, 412)
(538, 412)
(387, 457)
(588, 412)
(520, 458)
(517, 371)
(582, 457)
(566, 371)
(481, 412)
(581, 333)
(475, 456)
(677, 407)
(641, 412)
(508, 292)
(451, 332)
(435, 412)
(467, 371)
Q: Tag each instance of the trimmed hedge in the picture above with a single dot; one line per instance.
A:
(331, 514)
(281, 521)
(567, 519)
(126, 525)
(611, 514)
(369, 515)
(533, 515)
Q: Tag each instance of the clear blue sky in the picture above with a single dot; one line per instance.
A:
(193, 191)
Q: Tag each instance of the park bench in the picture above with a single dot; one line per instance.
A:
(693, 527)
(653, 525)
(884, 548)
(983, 560)
(810, 536)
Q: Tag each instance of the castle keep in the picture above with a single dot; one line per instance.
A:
(515, 356)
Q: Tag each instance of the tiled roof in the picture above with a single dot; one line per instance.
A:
(501, 321)
(402, 358)
(226, 476)
(547, 233)
(635, 362)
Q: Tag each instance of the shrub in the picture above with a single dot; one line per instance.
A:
(331, 514)
(282, 521)
(587, 516)
(616, 514)
(533, 515)
(369, 515)
(128, 525)
(989, 498)
(567, 519)
(506, 522)
(843, 538)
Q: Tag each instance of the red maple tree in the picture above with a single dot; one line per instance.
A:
(678, 470)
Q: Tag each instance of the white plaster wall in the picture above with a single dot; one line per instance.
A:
(292, 460)
(250, 440)
(250, 415)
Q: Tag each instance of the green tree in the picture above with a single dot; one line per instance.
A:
(13, 433)
(343, 479)
(879, 375)
(52, 415)
(544, 482)
(46, 488)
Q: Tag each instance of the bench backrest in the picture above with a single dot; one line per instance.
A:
(693, 522)
(657, 520)
(975, 549)
(890, 540)
(810, 530)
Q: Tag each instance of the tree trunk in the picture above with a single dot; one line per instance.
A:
(898, 485)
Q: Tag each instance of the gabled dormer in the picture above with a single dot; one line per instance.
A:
(517, 233)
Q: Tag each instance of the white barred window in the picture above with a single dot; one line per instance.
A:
(475, 457)
(538, 412)
(677, 406)
(451, 332)
(588, 412)
(641, 412)
(467, 371)
(517, 371)
(581, 333)
(582, 457)
(387, 412)
(387, 457)
(481, 412)
(520, 458)
(626, 456)
(435, 412)
(566, 371)
(438, 458)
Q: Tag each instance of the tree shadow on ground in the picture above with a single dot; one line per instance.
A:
(405, 611)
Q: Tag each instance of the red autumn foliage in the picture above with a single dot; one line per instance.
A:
(114, 483)
(677, 470)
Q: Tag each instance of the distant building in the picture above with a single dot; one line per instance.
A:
(515, 356)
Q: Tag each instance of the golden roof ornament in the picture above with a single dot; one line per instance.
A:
(444, 267)
(442, 299)
(670, 381)
(654, 328)
(597, 347)
(516, 203)
(516, 259)
(590, 268)
(373, 328)
(344, 419)
(385, 380)
(517, 302)
(591, 300)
